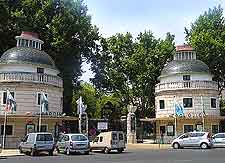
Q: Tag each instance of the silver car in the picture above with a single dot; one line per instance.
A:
(33, 143)
(70, 143)
(193, 139)
(218, 140)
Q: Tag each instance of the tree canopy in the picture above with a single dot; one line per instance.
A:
(207, 36)
(63, 25)
(129, 67)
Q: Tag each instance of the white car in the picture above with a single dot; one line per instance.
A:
(218, 140)
(70, 143)
(193, 139)
(107, 141)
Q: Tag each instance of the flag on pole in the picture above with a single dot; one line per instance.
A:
(44, 103)
(179, 111)
(80, 106)
(10, 102)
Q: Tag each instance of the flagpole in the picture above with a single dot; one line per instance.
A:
(203, 119)
(39, 127)
(175, 118)
(4, 134)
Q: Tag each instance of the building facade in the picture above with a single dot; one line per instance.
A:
(26, 71)
(186, 82)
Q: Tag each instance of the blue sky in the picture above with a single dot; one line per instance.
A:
(159, 16)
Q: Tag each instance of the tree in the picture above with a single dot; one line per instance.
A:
(130, 67)
(63, 25)
(207, 36)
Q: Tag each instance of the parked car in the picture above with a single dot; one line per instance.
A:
(193, 139)
(69, 143)
(218, 140)
(107, 141)
(33, 143)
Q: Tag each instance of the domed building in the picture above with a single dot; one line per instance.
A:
(186, 97)
(26, 71)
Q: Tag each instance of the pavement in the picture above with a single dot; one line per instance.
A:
(15, 152)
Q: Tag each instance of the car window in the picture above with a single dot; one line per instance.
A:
(114, 136)
(120, 136)
(185, 136)
(101, 139)
(220, 136)
(44, 137)
(25, 138)
(78, 138)
(197, 134)
(66, 138)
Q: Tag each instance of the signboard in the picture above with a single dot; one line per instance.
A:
(102, 125)
(52, 114)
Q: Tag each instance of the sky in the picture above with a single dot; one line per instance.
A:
(135, 16)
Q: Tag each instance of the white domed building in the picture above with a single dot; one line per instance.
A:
(26, 71)
(187, 83)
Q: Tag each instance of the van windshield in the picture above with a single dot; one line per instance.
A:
(44, 137)
(78, 138)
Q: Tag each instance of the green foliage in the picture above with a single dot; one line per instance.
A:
(130, 67)
(207, 36)
(63, 25)
(96, 102)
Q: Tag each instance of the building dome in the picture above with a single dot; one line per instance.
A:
(181, 66)
(28, 51)
(26, 55)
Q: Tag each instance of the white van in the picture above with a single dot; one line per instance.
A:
(37, 142)
(107, 141)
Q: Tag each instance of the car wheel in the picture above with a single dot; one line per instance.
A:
(120, 150)
(50, 153)
(20, 150)
(204, 146)
(106, 150)
(176, 145)
(33, 152)
(67, 151)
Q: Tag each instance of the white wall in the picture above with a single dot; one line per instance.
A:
(25, 68)
(196, 102)
(179, 77)
(26, 97)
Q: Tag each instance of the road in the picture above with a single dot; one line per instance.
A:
(131, 156)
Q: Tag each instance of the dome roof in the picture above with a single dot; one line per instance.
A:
(27, 55)
(188, 66)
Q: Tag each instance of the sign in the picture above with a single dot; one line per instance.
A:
(52, 114)
(102, 125)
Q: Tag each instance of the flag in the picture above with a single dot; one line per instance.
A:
(179, 111)
(44, 103)
(80, 106)
(10, 103)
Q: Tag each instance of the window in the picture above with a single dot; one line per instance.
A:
(197, 134)
(27, 43)
(66, 138)
(5, 97)
(40, 70)
(215, 129)
(79, 138)
(162, 129)
(43, 128)
(220, 136)
(44, 137)
(101, 139)
(30, 43)
(120, 136)
(187, 102)
(37, 45)
(114, 136)
(39, 98)
(213, 103)
(161, 104)
(23, 42)
(188, 128)
(33, 44)
(186, 77)
(8, 130)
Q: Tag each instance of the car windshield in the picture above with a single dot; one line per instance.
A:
(44, 137)
(78, 138)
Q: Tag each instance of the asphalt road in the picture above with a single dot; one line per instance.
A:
(131, 156)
